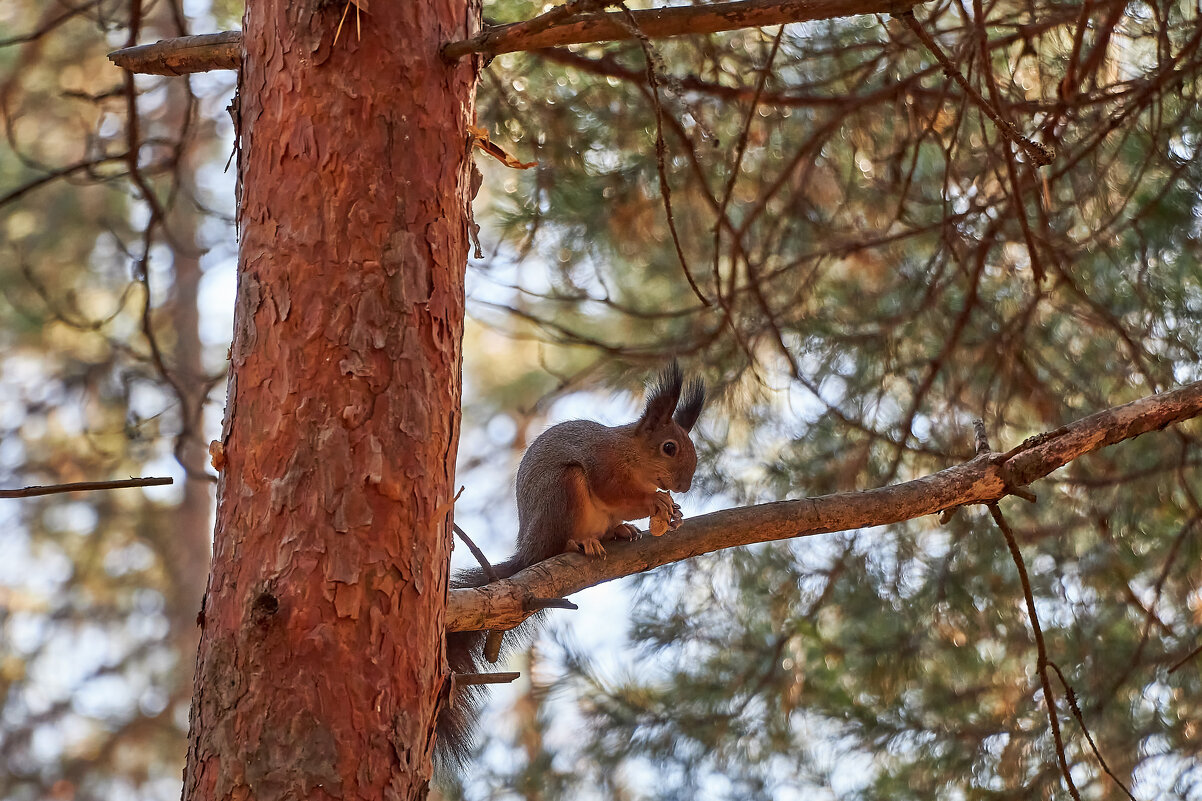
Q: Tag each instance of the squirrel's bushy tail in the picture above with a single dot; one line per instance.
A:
(465, 654)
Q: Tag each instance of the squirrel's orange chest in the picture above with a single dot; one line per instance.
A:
(595, 517)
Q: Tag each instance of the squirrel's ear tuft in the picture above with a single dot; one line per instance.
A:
(662, 400)
(690, 405)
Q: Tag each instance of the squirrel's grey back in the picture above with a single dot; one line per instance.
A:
(575, 477)
(541, 493)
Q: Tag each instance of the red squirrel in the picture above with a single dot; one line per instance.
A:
(577, 486)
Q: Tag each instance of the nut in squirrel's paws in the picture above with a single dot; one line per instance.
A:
(588, 547)
(667, 516)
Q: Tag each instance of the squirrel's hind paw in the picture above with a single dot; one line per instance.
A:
(588, 547)
(624, 531)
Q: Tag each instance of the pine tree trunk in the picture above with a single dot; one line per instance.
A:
(321, 658)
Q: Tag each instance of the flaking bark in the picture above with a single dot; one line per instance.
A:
(320, 666)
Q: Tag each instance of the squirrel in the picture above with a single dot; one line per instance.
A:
(578, 484)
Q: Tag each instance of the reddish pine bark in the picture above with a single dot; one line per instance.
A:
(320, 664)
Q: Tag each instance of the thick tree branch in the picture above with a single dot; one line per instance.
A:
(985, 479)
(223, 51)
(663, 22)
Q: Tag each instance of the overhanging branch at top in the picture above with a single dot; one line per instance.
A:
(657, 23)
(219, 51)
(984, 479)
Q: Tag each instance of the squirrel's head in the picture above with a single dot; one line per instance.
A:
(663, 430)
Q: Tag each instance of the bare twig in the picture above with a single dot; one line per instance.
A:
(1038, 153)
(83, 486)
(609, 65)
(492, 643)
(935, 366)
(54, 175)
(1042, 665)
(1037, 268)
(1076, 708)
(1157, 590)
(629, 21)
(740, 149)
(485, 565)
(1181, 662)
(50, 23)
(158, 215)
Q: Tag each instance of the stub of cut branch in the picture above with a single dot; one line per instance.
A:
(183, 55)
(487, 678)
(987, 478)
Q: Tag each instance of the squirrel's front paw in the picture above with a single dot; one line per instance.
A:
(666, 515)
(588, 547)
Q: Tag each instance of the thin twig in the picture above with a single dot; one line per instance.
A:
(1037, 268)
(1180, 664)
(740, 150)
(1042, 665)
(492, 642)
(49, 24)
(1038, 153)
(158, 219)
(476, 552)
(62, 172)
(1157, 590)
(1072, 704)
(83, 486)
(661, 147)
(937, 363)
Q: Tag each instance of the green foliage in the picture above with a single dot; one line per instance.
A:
(871, 293)
(879, 296)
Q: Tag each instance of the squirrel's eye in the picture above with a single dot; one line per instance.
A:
(669, 448)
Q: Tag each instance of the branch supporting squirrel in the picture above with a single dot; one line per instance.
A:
(578, 486)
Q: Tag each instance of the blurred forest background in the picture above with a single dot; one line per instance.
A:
(869, 249)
